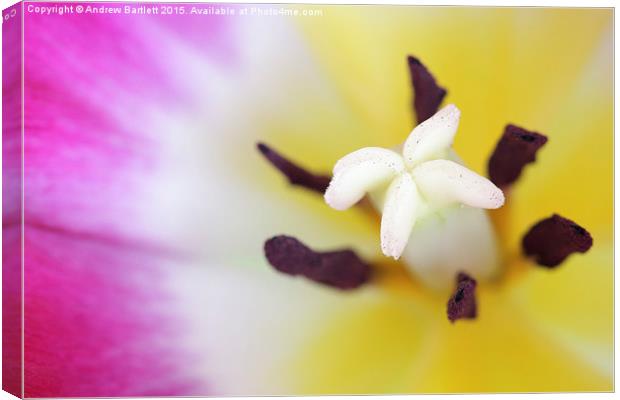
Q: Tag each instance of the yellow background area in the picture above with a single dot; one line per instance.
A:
(547, 70)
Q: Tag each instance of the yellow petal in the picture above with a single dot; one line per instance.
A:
(505, 351)
(574, 304)
(368, 348)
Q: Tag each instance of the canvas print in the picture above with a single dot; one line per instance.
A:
(299, 199)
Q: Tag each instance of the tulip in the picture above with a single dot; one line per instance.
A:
(148, 219)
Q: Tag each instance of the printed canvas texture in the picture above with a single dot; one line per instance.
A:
(232, 199)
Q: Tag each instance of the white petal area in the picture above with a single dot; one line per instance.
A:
(246, 323)
(457, 239)
(432, 137)
(399, 213)
(376, 155)
(359, 172)
(212, 176)
(444, 182)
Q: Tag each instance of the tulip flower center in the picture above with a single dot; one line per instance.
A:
(431, 205)
(432, 208)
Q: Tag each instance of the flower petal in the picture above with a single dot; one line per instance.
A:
(399, 212)
(100, 319)
(443, 182)
(360, 171)
(233, 348)
(562, 304)
(115, 176)
(433, 136)
(502, 344)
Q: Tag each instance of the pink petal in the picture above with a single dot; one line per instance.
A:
(97, 319)
(11, 203)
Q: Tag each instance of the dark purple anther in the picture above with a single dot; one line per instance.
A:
(290, 256)
(516, 148)
(295, 174)
(553, 239)
(340, 269)
(462, 304)
(427, 94)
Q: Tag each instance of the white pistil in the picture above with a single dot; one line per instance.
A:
(426, 198)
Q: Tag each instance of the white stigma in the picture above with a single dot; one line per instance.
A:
(425, 195)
